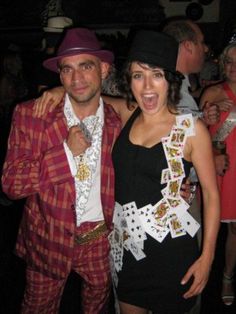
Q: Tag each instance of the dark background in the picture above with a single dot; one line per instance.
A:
(21, 22)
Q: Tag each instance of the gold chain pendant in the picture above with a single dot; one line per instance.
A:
(83, 171)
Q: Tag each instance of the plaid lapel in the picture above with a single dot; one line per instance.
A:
(112, 127)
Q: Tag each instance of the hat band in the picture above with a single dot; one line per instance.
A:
(75, 49)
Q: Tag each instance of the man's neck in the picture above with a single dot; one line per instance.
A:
(83, 110)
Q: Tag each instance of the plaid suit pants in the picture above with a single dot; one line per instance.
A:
(91, 262)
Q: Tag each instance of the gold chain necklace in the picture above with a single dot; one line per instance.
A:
(83, 169)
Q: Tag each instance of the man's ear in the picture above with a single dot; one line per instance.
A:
(105, 68)
(188, 45)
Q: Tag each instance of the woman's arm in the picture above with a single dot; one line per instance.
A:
(52, 97)
(200, 151)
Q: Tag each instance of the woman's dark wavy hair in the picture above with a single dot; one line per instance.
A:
(174, 80)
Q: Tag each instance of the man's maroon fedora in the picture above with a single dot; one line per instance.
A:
(79, 41)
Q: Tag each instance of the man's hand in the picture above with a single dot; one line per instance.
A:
(188, 190)
(211, 113)
(221, 163)
(48, 101)
(76, 141)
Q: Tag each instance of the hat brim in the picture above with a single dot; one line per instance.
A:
(104, 55)
(53, 30)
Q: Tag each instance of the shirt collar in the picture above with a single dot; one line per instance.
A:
(99, 113)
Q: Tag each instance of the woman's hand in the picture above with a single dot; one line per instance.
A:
(48, 101)
(225, 104)
(200, 271)
(222, 164)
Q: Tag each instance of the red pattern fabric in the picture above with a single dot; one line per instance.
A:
(91, 261)
(36, 167)
(227, 182)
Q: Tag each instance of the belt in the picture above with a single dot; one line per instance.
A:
(92, 234)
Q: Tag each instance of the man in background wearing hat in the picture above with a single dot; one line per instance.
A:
(62, 164)
(52, 37)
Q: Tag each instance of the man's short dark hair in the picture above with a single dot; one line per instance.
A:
(181, 29)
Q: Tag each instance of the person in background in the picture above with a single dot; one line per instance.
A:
(53, 34)
(156, 262)
(61, 164)
(223, 95)
(13, 88)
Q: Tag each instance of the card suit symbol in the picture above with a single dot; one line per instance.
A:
(137, 227)
(188, 223)
(132, 220)
(148, 220)
(132, 229)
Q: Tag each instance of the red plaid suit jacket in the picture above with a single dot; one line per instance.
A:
(36, 167)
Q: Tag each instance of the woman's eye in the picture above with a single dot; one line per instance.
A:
(158, 75)
(136, 75)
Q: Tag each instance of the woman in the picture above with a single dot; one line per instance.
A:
(224, 95)
(157, 266)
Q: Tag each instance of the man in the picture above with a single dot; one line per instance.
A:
(52, 36)
(191, 57)
(62, 164)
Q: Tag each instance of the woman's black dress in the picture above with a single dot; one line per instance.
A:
(153, 282)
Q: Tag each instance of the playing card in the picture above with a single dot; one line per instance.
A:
(176, 168)
(177, 137)
(117, 214)
(133, 222)
(178, 205)
(135, 249)
(176, 229)
(189, 224)
(165, 176)
(164, 192)
(173, 188)
(116, 243)
(172, 152)
(113, 271)
(186, 121)
(160, 212)
(150, 225)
